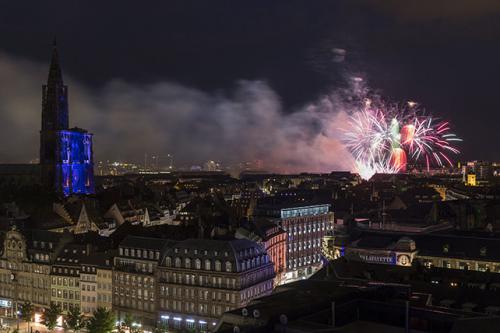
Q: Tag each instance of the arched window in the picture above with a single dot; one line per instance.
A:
(207, 265)
(168, 261)
(177, 262)
(197, 263)
(229, 266)
(218, 266)
(187, 263)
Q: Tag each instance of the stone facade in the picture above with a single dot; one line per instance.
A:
(134, 280)
(199, 280)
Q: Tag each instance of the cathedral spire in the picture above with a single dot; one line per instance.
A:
(55, 97)
(55, 73)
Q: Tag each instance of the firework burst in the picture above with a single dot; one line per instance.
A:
(382, 139)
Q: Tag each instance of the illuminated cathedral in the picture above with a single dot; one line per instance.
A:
(66, 160)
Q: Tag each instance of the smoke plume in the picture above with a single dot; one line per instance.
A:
(128, 120)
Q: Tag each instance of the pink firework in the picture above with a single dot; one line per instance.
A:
(382, 139)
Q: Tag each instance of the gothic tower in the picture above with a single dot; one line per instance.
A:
(54, 118)
(66, 157)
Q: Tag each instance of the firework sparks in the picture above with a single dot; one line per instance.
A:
(382, 139)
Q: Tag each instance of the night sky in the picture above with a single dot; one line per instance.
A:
(443, 54)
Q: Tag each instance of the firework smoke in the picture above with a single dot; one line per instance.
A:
(246, 124)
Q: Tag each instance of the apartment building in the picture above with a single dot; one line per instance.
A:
(199, 279)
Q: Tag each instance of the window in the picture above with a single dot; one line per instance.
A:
(217, 266)
(482, 267)
(197, 263)
(207, 265)
(168, 261)
(177, 262)
(229, 266)
(187, 263)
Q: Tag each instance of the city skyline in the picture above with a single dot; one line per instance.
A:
(249, 166)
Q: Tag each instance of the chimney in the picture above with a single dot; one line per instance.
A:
(201, 230)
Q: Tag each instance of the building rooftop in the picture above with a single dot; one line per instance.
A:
(234, 251)
(148, 243)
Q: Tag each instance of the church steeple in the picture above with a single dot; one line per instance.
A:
(66, 163)
(55, 96)
(55, 73)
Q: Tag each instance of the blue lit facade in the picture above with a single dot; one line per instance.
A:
(75, 169)
(65, 154)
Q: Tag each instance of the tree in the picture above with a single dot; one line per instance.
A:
(162, 327)
(75, 320)
(27, 312)
(128, 321)
(102, 321)
(50, 316)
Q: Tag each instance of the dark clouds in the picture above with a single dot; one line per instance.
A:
(441, 53)
(453, 11)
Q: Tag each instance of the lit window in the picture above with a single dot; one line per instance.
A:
(229, 266)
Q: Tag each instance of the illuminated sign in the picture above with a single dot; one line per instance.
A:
(5, 303)
(374, 258)
(378, 259)
(305, 211)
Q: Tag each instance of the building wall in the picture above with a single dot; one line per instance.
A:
(41, 285)
(105, 288)
(276, 247)
(88, 289)
(134, 284)
(305, 234)
(65, 287)
(406, 258)
(22, 278)
(134, 288)
(461, 263)
(195, 295)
